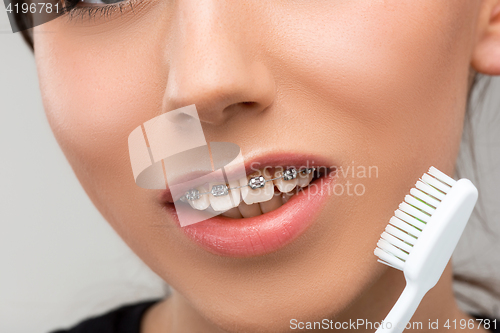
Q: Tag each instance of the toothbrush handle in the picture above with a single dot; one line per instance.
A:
(403, 310)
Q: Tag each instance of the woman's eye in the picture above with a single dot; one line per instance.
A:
(94, 9)
(99, 2)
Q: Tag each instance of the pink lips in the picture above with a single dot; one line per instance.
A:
(265, 233)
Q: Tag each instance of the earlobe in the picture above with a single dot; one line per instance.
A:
(486, 53)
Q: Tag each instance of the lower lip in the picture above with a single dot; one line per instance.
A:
(262, 234)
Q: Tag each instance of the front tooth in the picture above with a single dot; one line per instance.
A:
(304, 180)
(261, 194)
(233, 213)
(249, 210)
(220, 203)
(272, 204)
(284, 186)
(203, 202)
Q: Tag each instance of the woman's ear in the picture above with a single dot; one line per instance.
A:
(486, 53)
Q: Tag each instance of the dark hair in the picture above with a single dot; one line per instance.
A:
(24, 22)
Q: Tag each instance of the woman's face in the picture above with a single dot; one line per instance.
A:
(378, 86)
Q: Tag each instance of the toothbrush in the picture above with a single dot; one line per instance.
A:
(421, 237)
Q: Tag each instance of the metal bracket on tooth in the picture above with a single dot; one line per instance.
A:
(254, 183)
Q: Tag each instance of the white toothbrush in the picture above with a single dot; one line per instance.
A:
(421, 237)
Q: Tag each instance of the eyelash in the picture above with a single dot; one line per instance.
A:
(91, 11)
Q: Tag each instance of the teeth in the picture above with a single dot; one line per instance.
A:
(249, 210)
(203, 202)
(261, 194)
(304, 180)
(216, 198)
(235, 194)
(219, 203)
(284, 186)
(233, 213)
(272, 204)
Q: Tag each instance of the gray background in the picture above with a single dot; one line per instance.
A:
(60, 261)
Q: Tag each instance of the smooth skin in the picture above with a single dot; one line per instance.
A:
(364, 83)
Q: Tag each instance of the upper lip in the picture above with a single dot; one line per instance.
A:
(254, 163)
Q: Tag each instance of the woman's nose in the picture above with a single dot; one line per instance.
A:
(212, 63)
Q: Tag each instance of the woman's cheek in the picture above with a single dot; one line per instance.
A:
(388, 70)
(93, 102)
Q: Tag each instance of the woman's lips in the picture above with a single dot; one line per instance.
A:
(265, 233)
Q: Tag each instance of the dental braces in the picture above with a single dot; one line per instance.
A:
(254, 183)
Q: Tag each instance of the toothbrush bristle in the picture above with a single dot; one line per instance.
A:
(404, 228)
